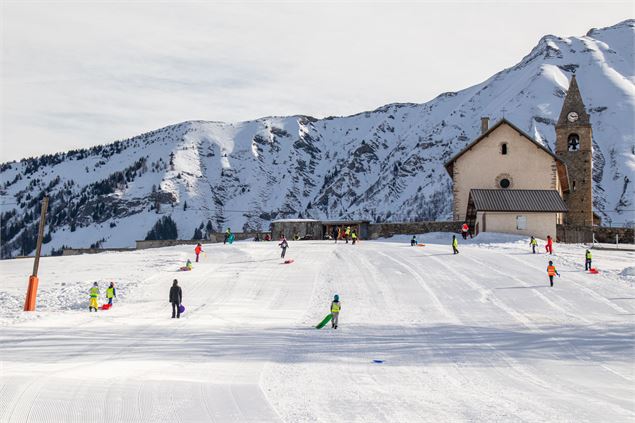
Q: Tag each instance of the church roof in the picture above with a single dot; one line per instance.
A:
(573, 103)
(517, 200)
(562, 168)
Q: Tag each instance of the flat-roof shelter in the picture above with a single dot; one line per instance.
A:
(316, 229)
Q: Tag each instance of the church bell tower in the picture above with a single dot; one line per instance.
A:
(574, 146)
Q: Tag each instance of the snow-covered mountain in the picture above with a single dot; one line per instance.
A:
(382, 165)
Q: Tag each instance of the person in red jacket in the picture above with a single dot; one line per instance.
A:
(549, 246)
(198, 250)
(464, 229)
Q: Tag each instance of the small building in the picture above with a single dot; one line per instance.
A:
(520, 211)
(316, 229)
(359, 226)
(304, 228)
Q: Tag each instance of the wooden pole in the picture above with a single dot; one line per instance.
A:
(31, 294)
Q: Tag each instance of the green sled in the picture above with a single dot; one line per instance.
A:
(325, 321)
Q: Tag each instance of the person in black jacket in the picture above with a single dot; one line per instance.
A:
(176, 296)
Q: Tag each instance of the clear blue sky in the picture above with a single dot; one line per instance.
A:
(79, 74)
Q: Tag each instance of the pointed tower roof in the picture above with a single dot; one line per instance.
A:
(573, 103)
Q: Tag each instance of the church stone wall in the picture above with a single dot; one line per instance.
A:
(525, 165)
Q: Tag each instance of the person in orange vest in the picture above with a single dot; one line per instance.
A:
(198, 250)
(549, 246)
(464, 230)
(551, 271)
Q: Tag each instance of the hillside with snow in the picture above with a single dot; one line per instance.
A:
(381, 165)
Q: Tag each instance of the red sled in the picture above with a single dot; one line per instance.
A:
(105, 307)
(593, 271)
(289, 261)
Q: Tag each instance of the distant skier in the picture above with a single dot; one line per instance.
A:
(533, 244)
(464, 230)
(336, 233)
(284, 245)
(549, 246)
(551, 271)
(354, 237)
(94, 294)
(228, 232)
(335, 311)
(198, 250)
(455, 244)
(587, 262)
(111, 292)
(176, 297)
(347, 233)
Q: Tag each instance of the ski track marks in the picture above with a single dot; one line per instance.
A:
(472, 337)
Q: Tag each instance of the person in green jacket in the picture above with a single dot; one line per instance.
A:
(94, 294)
(111, 292)
(533, 243)
(455, 244)
(587, 263)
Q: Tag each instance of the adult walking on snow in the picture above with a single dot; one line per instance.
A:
(284, 245)
(176, 297)
(551, 272)
(94, 294)
(111, 292)
(227, 235)
(354, 236)
(455, 244)
(533, 244)
(336, 233)
(335, 311)
(549, 245)
(464, 229)
(413, 241)
(347, 233)
(587, 262)
(198, 250)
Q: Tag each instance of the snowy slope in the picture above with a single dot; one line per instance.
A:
(382, 165)
(477, 337)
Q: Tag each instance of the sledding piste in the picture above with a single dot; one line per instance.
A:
(325, 321)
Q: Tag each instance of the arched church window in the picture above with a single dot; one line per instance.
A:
(573, 142)
(504, 148)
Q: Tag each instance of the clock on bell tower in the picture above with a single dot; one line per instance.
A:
(574, 145)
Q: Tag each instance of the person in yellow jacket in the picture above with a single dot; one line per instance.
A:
(551, 272)
(354, 237)
(94, 294)
(335, 311)
(111, 292)
(347, 233)
(533, 243)
(587, 262)
(455, 244)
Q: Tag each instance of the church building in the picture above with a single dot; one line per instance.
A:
(505, 181)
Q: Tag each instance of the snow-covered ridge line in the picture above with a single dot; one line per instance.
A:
(381, 165)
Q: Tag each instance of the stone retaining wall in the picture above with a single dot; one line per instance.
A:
(79, 251)
(386, 230)
(217, 237)
(584, 234)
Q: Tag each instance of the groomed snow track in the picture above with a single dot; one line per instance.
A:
(474, 337)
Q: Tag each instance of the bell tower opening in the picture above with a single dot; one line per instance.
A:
(573, 142)
(574, 146)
